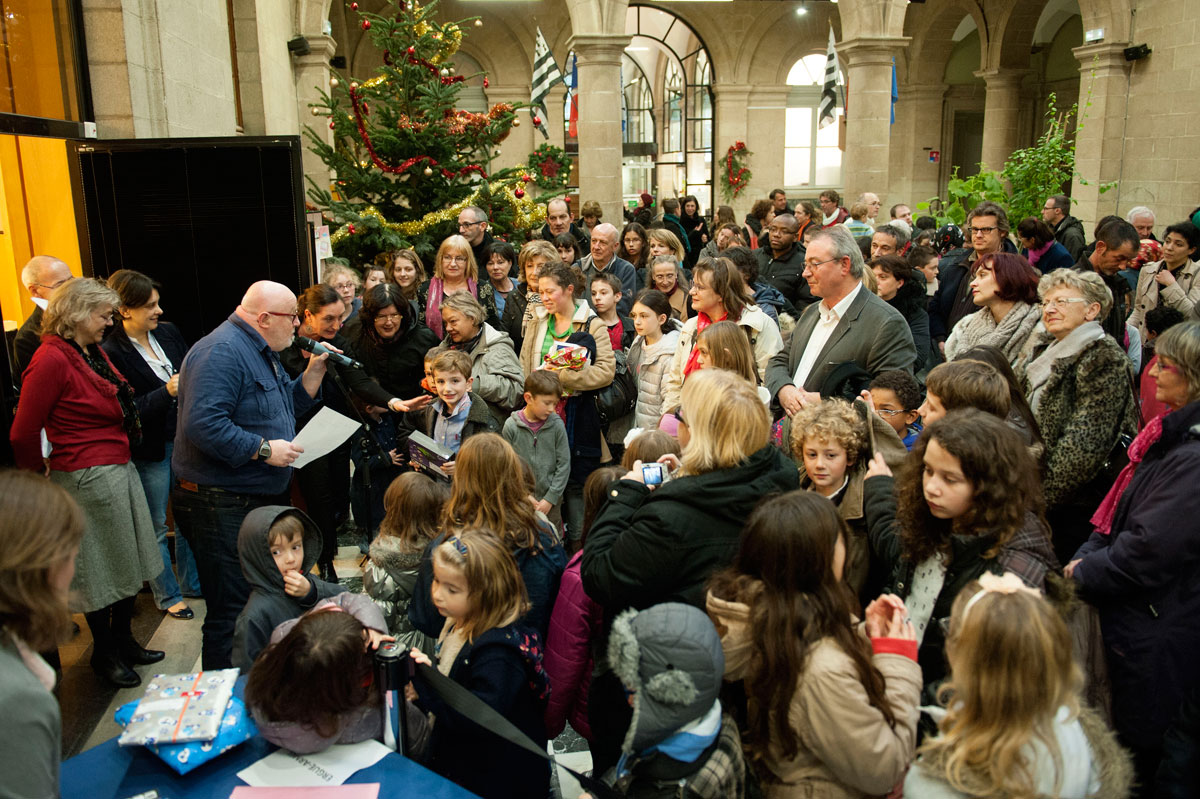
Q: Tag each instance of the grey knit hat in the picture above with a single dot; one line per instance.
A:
(669, 656)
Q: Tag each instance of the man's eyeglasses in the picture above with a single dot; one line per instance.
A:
(462, 225)
(56, 284)
(295, 317)
(888, 411)
(980, 231)
(813, 266)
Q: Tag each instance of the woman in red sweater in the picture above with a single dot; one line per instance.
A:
(73, 392)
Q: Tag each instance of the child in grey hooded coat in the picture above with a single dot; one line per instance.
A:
(269, 604)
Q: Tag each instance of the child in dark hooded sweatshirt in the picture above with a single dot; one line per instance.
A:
(277, 546)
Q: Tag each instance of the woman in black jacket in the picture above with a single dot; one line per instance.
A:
(148, 352)
(649, 545)
(696, 229)
(325, 482)
(391, 343)
(899, 287)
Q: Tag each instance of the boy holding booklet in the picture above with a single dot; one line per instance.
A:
(457, 414)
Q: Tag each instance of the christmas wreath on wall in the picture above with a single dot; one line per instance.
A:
(736, 175)
(550, 166)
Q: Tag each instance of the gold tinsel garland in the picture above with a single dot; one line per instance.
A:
(527, 215)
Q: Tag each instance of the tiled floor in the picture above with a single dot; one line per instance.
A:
(88, 703)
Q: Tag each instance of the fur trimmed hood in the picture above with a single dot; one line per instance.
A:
(388, 553)
(669, 658)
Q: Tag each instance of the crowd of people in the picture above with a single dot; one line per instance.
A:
(818, 505)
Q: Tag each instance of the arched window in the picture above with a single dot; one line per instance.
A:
(673, 92)
(701, 123)
(811, 158)
(638, 102)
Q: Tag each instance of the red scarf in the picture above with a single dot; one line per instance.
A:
(1102, 519)
(702, 321)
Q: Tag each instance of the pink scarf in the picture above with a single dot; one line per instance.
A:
(433, 303)
(1102, 519)
(1033, 255)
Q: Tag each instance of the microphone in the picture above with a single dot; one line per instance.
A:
(317, 348)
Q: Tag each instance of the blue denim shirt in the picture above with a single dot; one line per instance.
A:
(233, 393)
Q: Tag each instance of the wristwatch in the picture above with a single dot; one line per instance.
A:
(264, 450)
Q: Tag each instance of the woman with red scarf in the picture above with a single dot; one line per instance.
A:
(718, 293)
(72, 391)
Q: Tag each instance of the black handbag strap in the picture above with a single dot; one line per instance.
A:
(483, 714)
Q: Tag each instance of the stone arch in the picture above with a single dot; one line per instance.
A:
(932, 33)
(310, 16)
(1011, 35)
(1114, 16)
(872, 18)
(591, 17)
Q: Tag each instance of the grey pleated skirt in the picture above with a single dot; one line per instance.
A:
(119, 550)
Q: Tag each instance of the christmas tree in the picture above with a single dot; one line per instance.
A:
(405, 160)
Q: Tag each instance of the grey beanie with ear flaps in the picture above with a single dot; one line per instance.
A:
(669, 656)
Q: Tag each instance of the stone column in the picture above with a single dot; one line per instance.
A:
(766, 119)
(868, 64)
(599, 119)
(1104, 72)
(312, 73)
(514, 150)
(1001, 112)
(917, 131)
(730, 104)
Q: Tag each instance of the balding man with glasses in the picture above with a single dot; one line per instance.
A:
(473, 226)
(42, 276)
(233, 445)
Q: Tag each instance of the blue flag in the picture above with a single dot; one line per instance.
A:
(895, 92)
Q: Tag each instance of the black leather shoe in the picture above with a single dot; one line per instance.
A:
(133, 654)
(115, 671)
(327, 572)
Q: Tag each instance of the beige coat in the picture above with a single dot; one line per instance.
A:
(765, 340)
(847, 748)
(592, 376)
(1183, 295)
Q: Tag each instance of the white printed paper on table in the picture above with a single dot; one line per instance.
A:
(284, 769)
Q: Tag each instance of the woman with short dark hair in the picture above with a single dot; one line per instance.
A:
(148, 353)
(1004, 286)
(1038, 245)
(391, 343)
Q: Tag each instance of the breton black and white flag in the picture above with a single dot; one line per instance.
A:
(827, 109)
(545, 74)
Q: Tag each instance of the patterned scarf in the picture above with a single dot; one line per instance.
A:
(1102, 519)
(95, 358)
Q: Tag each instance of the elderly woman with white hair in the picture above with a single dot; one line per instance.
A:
(1079, 384)
(72, 391)
(499, 378)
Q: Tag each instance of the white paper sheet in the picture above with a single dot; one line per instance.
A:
(323, 433)
(284, 769)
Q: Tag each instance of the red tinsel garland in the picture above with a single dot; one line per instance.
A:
(449, 174)
(736, 182)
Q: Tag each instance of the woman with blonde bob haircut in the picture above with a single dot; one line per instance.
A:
(1013, 724)
(40, 530)
(454, 270)
(486, 495)
(660, 543)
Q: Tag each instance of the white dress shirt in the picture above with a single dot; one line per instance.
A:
(821, 333)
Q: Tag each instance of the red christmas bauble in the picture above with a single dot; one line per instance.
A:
(537, 120)
(366, 109)
(354, 6)
(331, 124)
(366, 25)
(527, 178)
(485, 83)
(350, 228)
(519, 193)
(411, 50)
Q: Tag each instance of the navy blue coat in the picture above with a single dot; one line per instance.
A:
(157, 408)
(1144, 579)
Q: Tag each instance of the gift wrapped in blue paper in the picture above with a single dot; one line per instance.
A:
(236, 727)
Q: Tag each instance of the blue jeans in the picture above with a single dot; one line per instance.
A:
(210, 520)
(156, 482)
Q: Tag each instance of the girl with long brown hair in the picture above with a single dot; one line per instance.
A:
(967, 501)
(830, 713)
(1014, 726)
(487, 494)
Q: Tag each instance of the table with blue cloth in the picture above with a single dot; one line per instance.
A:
(109, 771)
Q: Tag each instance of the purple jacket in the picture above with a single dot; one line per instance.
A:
(573, 625)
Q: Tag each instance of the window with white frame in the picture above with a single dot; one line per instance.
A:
(810, 155)
(673, 94)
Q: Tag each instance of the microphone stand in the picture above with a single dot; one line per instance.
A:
(335, 370)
